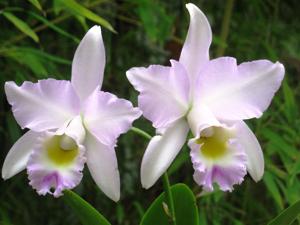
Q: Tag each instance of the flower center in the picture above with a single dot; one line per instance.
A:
(61, 149)
(214, 142)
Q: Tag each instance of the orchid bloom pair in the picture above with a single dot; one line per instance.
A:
(211, 98)
(71, 123)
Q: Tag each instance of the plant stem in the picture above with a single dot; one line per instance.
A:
(225, 27)
(169, 197)
(141, 133)
(165, 179)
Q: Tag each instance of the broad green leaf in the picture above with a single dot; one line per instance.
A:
(21, 25)
(87, 214)
(36, 4)
(80, 10)
(287, 216)
(186, 211)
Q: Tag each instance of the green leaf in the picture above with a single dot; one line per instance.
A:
(54, 27)
(291, 109)
(80, 10)
(156, 22)
(287, 216)
(87, 214)
(273, 188)
(36, 60)
(22, 26)
(186, 211)
(36, 4)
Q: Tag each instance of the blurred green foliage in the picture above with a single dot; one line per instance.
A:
(38, 40)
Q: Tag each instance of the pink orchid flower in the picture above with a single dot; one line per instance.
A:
(211, 98)
(70, 123)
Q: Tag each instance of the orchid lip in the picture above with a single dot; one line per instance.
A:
(214, 141)
(218, 157)
(61, 149)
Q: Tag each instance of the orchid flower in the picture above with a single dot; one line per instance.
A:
(211, 98)
(71, 123)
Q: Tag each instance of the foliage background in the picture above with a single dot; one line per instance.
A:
(151, 32)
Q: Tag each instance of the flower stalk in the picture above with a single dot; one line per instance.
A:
(165, 179)
(169, 197)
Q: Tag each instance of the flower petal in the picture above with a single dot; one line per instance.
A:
(52, 169)
(238, 92)
(103, 166)
(74, 129)
(17, 157)
(199, 118)
(161, 152)
(164, 92)
(41, 106)
(226, 171)
(88, 63)
(106, 116)
(195, 51)
(255, 158)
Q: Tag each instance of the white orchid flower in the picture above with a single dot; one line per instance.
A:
(212, 98)
(70, 123)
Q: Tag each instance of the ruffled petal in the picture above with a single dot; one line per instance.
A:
(195, 51)
(161, 152)
(255, 158)
(164, 92)
(42, 106)
(106, 116)
(226, 167)
(17, 157)
(103, 166)
(238, 92)
(88, 63)
(52, 169)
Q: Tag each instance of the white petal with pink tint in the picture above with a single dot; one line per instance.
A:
(200, 117)
(103, 166)
(164, 92)
(161, 151)
(106, 116)
(195, 51)
(41, 106)
(74, 129)
(17, 157)
(238, 92)
(88, 63)
(255, 157)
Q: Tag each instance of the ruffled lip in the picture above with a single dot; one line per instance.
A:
(47, 177)
(226, 171)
